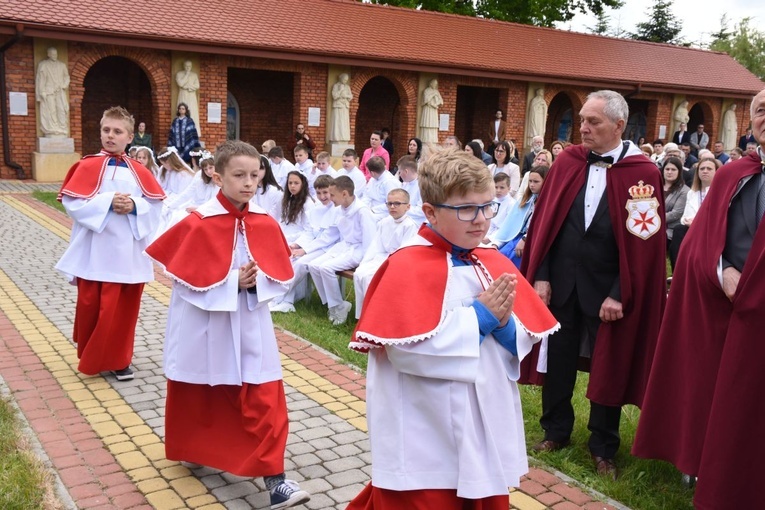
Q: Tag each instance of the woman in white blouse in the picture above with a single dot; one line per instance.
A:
(503, 153)
(702, 179)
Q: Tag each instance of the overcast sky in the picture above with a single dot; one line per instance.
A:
(700, 17)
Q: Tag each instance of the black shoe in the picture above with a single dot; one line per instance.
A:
(548, 445)
(124, 375)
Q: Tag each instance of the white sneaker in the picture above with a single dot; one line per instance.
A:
(283, 307)
(340, 314)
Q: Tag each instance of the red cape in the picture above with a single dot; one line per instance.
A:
(421, 274)
(624, 349)
(703, 410)
(84, 179)
(198, 251)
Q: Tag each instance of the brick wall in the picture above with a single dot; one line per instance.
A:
(19, 73)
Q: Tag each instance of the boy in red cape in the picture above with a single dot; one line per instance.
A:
(115, 204)
(446, 325)
(702, 409)
(225, 397)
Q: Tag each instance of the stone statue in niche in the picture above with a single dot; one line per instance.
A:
(188, 85)
(340, 130)
(51, 85)
(537, 117)
(730, 128)
(431, 101)
(681, 116)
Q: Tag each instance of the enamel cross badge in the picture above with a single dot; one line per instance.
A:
(643, 218)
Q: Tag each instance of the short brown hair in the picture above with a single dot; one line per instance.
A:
(401, 191)
(343, 183)
(322, 156)
(276, 152)
(299, 148)
(322, 181)
(408, 163)
(119, 113)
(376, 164)
(350, 153)
(231, 148)
(502, 177)
(453, 172)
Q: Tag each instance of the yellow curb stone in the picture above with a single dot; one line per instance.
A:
(120, 409)
(175, 472)
(123, 447)
(165, 500)
(99, 418)
(88, 404)
(152, 485)
(106, 429)
(128, 419)
(525, 502)
(139, 430)
(119, 438)
(359, 406)
(347, 414)
(132, 460)
(164, 463)
(104, 395)
(154, 451)
(199, 501)
(335, 406)
(80, 396)
(216, 506)
(188, 487)
(146, 439)
(321, 398)
(337, 392)
(145, 473)
(360, 423)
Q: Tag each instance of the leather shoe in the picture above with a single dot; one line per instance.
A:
(548, 445)
(605, 467)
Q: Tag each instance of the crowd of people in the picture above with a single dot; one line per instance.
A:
(469, 269)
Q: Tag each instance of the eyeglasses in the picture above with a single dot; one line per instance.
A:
(395, 204)
(469, 212)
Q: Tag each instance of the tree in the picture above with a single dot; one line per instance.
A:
(746, 45)
(662, 25)
(544, 13)
(601, 24)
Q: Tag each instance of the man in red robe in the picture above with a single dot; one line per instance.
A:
(701, 409)
(596, 249)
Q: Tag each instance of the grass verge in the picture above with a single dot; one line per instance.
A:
(48, 197)
(643, 484)
(22, 478)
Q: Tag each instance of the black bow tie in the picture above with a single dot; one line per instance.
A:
(594, 158)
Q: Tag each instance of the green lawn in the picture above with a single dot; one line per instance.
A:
(643, 485)
(22, 479)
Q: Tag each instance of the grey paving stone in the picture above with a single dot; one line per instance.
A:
(343, 464)
(307, 459)
(233, 491)
(347, 478)
(345, 494)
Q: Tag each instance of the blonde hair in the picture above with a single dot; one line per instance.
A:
(174, 161)
(453, 172)
(119, 113)
(322, 156)
(152, 164)
(231, 148)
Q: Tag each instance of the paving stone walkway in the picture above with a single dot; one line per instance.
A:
(103, 439)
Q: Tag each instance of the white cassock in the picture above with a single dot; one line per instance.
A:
(415, 201)
(301, 225)
(315, 173)
(270, 201)
(358, 178)
(376, 193)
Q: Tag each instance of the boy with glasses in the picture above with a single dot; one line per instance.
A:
(392, 232)
(446, 324)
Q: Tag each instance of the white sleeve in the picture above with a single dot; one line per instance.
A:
(368, 228)
(452, 353)
(93, 213)
(145, 221)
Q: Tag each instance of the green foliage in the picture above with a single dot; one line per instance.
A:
(746, 44)
(543, 13)
(21, 479)
(601, 24)
(662, 25)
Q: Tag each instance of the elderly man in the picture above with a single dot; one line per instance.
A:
(702, 410)
(596, 255)
(537, 144)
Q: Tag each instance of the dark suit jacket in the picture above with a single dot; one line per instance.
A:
(745, 140)
(742, 225)
(583, 261)
(501, 135)
(676, 138)
(528, 162)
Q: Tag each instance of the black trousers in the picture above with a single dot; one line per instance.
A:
(562, 358)
(678, 234)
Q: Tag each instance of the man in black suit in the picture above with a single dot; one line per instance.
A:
(747, 138)
(682, 135)
(587, 256)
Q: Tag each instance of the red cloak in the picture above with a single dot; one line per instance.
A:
(702, 408)
(420, 273)
(198, 251)
(84, 179)
(624, 349)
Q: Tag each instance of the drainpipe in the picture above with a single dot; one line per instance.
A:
(4, 104)
(638, 87)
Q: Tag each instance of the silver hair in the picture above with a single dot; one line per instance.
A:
(616, 108)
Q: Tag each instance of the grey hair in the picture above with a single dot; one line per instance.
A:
(616, 108)
(751, 105)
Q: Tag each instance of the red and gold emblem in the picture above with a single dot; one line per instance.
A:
(643, 218)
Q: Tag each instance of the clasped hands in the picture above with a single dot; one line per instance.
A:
(122, 203)
(247, 275)
(500, 297)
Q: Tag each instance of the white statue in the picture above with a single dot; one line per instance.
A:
(729, 128)
(537, 117)
(50, 91)
(340, 130)
(188, 85)
(681, 116)
(431, 101)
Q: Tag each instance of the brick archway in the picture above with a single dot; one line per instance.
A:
(405, 84)
(155, 65)
(563, 108)
(701, 112)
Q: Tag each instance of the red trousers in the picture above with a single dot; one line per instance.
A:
(239, 429)
(104, 324)
(373, 498)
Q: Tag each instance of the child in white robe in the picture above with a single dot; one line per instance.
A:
(392, 231)
(303, 162)
(296, 203)
(280, 166)
(379, 185)
(506, 202)
(407, 171)
(349, 159)
(269, 193)
(226, 406)
(446, 325)
(322, 167)
(174, 175)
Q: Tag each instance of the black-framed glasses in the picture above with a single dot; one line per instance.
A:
(395, 204)
(469, 212)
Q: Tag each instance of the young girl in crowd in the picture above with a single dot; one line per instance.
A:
(296, 204)
(145, 156)
(268, 196)
(511, 236)
(175, 175)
